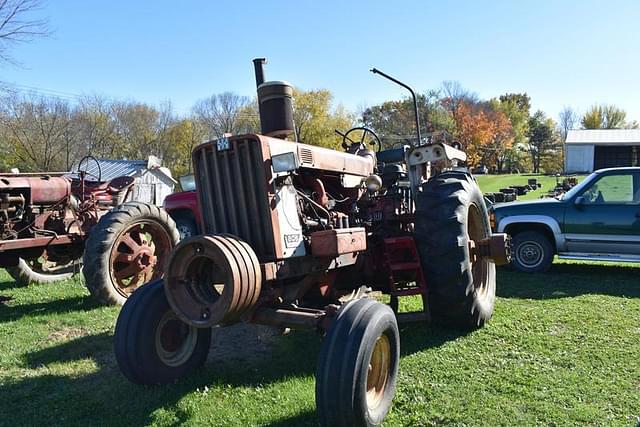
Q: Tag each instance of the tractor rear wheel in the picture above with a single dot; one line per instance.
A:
(128, 247)
(450, 213)
(358, 365)
(151, 344)
(43, 271)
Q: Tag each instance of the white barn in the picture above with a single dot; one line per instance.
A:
(152, 181)
(587, 150)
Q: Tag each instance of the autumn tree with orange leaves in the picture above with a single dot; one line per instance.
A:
(485, 134)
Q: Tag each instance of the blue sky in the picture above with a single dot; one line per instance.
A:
(560, 52)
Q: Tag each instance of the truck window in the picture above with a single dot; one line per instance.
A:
(611, 189)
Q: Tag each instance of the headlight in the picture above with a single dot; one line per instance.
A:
(285, 162)
(492, 219)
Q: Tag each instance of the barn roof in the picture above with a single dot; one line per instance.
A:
(604, 136)
(110, 169)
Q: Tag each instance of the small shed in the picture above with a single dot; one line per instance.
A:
(153, 182)
(587, 150)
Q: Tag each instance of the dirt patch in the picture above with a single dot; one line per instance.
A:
(243, 343)
(67, 334)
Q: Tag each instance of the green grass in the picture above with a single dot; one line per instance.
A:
(563, 348)
(493, 183)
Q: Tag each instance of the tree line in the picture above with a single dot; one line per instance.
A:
(43, 133)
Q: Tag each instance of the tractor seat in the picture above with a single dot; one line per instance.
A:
(120, 183)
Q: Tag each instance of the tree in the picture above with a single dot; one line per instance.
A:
(604, 117)
(316, 119)
(38, 132)
(516, 107)
(543, 141)
(181, 137)
(394, 121)
(221, 113)
(486, 134)
(18, 25)
(567, 119)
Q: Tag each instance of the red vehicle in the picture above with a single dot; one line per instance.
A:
(298, 236)
(52, 224)
(183, 208)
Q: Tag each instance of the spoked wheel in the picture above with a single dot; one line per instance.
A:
(128, 247)
(151, 344)
(450, 217)
(44, 269)
(136, 252)
(358, 366)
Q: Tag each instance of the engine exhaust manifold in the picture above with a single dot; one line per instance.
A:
(213, 280)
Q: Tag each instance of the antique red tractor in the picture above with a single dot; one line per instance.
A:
(299, 236)
(49, 222)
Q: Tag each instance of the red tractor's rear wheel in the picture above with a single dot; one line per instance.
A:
(44, 269)
(126, 249)
(450, 217)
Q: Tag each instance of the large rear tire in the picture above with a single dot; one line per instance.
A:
(30, 271)
(128, 247)
(450, 212)
(151, 344)
(358, 366)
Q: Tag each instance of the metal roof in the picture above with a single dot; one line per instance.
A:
(112, 168)
(604, 136)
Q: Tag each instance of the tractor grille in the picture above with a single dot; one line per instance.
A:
(232, 190)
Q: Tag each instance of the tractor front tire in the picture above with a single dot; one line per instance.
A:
(450, 212)
(129, 247)
(358, 365)
(151, 344)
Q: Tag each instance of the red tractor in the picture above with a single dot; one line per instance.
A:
(48, 223)
(298, 236)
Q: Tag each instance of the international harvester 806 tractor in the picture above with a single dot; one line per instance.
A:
(297, 236)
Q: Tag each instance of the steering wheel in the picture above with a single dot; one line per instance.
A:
(354, 147)
(84, 172)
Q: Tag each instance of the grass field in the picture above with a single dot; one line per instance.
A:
(563, 348)
(493, 183)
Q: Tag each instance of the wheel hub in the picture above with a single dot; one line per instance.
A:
(135, 255)
(175, 340)
(530, 254)
(378, 371)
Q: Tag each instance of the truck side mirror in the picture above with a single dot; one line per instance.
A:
(579, 201)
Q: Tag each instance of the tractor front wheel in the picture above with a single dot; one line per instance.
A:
(358, 365)
(151, 344)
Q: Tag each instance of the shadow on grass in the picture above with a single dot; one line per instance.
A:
(74, 398)
(9, 312)
(77, 396)
(9, 284)
(569, 280)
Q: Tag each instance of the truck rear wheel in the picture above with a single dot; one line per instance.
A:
(358, 366)
(450, 212)
(126, 249)
(151, 344)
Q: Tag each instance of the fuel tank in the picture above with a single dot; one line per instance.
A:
(41, 190)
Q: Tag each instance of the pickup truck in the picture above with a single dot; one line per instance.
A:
(599, 219)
